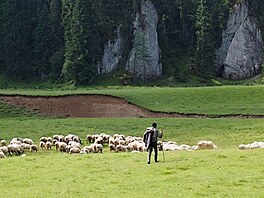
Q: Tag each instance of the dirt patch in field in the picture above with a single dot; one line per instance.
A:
(80, 106)
(95, 106)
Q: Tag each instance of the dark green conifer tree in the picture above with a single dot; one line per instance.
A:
(204, 41)
(43, 41)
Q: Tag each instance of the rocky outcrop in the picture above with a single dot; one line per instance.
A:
(144, 58)
(241, 53)
(112, 55)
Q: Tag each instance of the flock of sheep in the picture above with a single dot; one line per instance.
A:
(97, 142)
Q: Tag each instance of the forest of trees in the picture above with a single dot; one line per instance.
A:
(64, 39)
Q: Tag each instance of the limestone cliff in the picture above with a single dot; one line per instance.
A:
(112, 55)
(144, 59)
(241, 53)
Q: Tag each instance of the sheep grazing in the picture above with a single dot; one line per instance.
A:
(129, 147)
(184, 147)
(88, 149)
(42, 145)
(48, 145)
(244, 147)
(75, 150)
(28, 141)
(2, 155)
(57, 145)
(120, 148)
(99, 140)
(170, 146)
(75, 144)
(43, 139)
(59, 138)
(15, 148)
(112, 147)
(33, 148)
(97, 148)
(111, 140)
(62, 147)
(3, 143)
(49, 139)
(77, 139)
(89, 138)
(105, 137)
(68, 138)
(202, 145)
(83, 151)
(16, 141)
(26, 147)
(254, 145)
(4, 149)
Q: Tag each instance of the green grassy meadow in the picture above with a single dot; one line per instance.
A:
(225, 172)
(222, 100)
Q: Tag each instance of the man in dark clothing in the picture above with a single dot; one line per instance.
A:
(150, 139)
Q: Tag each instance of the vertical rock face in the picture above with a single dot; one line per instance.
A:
(241, 53)
(112, 55)
(144, 59)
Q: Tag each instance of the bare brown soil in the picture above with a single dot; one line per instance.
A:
(94, 106)
(80, 106)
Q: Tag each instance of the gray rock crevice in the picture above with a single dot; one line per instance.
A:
(112, 56)
(241, 53)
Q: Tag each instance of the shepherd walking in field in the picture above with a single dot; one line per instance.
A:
(150, 139)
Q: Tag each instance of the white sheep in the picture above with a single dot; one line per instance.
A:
(88, 149)
(28, 141)
(59, 138)
(33, 148)
(2, 155)
(57, 145)
(48, 145)
(42, 145)
(4, 149)
(184, 147)
(75, 144)
(25, 146)
(206, 145)
(83, 151)
(75, 150)
(16, 141)
(43, 139)
(254, 145)
(99, 140)
(120, 148)
(77, 139)
(129, 147)
(244, 147)
(105, 137)
(97, 148)
(111, 140)
(15, 148)
(112, 147)
(3, 143)
(68, 138)
(89, 138)
(170, 146)
(62, 147)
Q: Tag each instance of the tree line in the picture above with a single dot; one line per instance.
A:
(64, 39)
